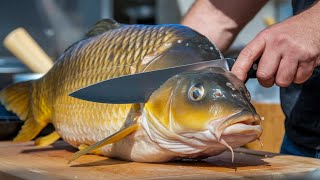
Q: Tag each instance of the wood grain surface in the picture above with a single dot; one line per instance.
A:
(25, 161)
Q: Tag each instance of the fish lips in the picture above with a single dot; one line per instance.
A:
(242, 123)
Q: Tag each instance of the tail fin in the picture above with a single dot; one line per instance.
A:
(17, 98)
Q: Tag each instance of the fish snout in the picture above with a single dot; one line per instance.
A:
(245, 122)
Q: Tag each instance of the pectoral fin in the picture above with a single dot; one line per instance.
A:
(47, 140)
(111, 139)
(95, 152)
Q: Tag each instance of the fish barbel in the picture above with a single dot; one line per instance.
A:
(194, 114)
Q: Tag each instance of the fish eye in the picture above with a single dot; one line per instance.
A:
(196, 92)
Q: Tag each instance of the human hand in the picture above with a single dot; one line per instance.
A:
(289, 51)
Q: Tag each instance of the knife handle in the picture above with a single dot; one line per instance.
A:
(252, 71)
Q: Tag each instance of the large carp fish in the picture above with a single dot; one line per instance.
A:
(194, 114)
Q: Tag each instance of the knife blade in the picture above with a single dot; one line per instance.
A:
(116, 91)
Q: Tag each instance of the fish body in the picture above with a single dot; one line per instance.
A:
(135, 132)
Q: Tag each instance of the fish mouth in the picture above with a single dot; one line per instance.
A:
(240, 123)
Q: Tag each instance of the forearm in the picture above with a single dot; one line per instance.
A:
(221, 21)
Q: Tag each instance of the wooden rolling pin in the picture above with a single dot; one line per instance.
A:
(25, 48)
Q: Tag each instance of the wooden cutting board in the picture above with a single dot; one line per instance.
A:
(25, 161)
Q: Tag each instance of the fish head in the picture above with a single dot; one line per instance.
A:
(202, 109)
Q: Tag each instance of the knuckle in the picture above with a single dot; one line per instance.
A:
(247, 52)
(284, 78)
(281, 39)
(266, 34)
(262, 75)
(291, 56)
(308, 54)
(297, 52)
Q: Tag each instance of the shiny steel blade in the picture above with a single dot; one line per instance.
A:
(137, 88)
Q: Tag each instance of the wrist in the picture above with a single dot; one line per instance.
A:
(221, 21)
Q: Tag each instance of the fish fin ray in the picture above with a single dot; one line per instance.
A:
(95, 151)
(48, 139)
(102, 26)
(16, 98)
(30, 129)
(111, 139)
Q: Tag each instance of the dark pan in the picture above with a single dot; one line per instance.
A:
(9, 124)
(9, 129)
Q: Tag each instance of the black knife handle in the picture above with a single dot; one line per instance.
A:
(253, 70)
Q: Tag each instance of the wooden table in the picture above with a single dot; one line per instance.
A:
(25, 161)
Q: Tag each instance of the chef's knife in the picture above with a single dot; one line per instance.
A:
(137, 88)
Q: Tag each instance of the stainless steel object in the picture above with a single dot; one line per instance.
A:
(138, 87)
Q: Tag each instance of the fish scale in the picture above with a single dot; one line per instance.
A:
(87, 129)
(122, 109)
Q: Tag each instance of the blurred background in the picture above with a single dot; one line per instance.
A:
(56, 24)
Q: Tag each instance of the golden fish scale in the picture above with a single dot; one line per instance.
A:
(114, 53)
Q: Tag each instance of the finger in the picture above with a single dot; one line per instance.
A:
(268, 82)
(247, 56)
(304, 72)
(286, 72)
(268, 66)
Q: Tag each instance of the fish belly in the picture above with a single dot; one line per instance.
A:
(79, 122)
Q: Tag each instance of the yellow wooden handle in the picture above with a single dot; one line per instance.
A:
(269, 21)
(24, 47)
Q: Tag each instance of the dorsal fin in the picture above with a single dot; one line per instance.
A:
(99, 27)
(103, 26)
